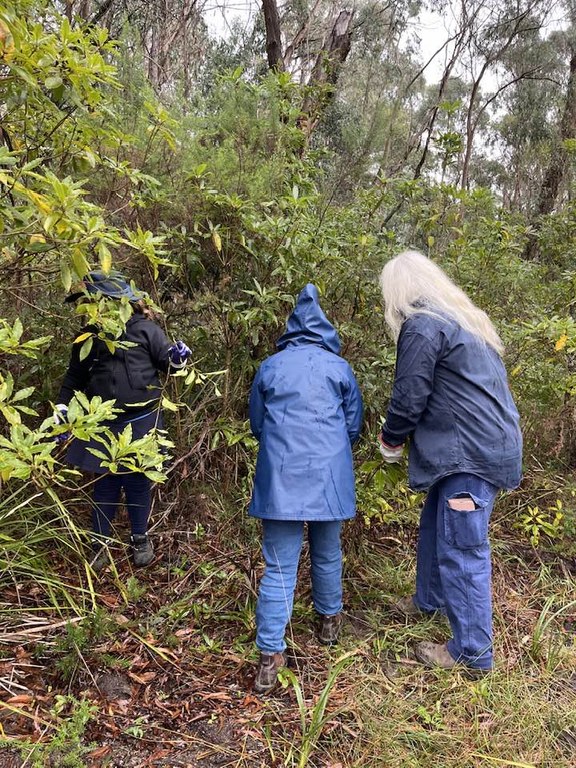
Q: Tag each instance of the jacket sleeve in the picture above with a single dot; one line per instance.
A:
(78, 374)
(256, 406)
(416, 360)
(353, 408)
(159, 346)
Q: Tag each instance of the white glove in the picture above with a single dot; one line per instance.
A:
(60, 414)
(178, 354)
(390, 453)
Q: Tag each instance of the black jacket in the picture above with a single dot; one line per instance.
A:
(129, 376)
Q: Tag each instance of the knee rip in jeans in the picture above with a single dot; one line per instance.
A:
(462, 502)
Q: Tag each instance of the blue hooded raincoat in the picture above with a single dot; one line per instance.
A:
(306, 411)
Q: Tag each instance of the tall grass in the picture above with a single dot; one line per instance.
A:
(313, 718)
(43, 552)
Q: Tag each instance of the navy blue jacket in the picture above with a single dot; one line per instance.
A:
(451, 397)
(129, 376)
(306, 411)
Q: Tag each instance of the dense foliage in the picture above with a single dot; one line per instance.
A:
(220, 191)
(222, 212)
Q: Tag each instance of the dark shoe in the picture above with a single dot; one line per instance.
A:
(267, 672)
(100, 557)
(142, 549)
(329, 629)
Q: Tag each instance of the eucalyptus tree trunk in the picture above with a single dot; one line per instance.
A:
(273, 35)
(503, 31)
(326, 63)
(326, 71)
(556, 172)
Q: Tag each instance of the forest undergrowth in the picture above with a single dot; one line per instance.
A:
(222, 188)
(160, 673)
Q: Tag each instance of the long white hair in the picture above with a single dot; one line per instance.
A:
(412, 283)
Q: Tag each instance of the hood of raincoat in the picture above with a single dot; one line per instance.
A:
(308, 324)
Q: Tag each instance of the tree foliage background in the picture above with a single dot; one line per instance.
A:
(310, 144)
(222, 180)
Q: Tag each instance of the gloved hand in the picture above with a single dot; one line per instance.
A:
(390, 453)
(178, 354)
(60, 416)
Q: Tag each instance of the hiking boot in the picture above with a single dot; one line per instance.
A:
(329, 629)
(438, 655)
(434, 655)
(100, 557)
(267, 672)
(406, 607)
(142, 549)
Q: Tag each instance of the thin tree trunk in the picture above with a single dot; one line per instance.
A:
(556, 172)
(273, 35)
(104, 8)
(460, 39)
(326, 71)
(471, 120)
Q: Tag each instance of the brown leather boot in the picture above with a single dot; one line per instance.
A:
(434, 655)
(329, 629)
(437, 655)
(407, 607)
(267, 672)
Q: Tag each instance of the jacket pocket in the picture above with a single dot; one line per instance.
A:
(466, 529)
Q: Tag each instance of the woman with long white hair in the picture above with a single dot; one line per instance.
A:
(451, 400)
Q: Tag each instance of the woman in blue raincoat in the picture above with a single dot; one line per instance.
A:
(306, 412)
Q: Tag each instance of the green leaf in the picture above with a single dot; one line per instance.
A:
(86, 347)
(105, 257)
(38, 247)
(10, 414)
(65, 275)
(155, 476)
(125, 311)
(22, 394)
(79, 262)
(53, 82)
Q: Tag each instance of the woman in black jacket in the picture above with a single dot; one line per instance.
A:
(129, 376)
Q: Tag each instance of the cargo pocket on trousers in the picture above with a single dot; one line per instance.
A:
(465, 521)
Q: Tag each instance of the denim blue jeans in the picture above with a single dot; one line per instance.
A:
(453, 572)
(281, 546)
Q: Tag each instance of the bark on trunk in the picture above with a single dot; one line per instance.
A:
(558, 163)
(273, 35)
(326, 71)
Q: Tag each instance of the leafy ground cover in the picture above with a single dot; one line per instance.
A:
(160, 674)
